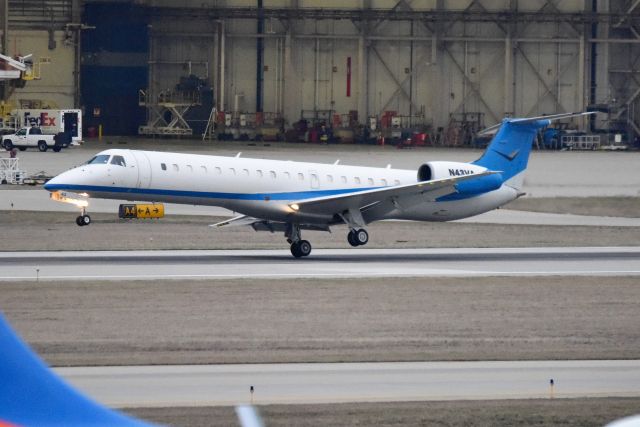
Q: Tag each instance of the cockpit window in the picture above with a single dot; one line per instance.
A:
(118, 160)
(101, 158)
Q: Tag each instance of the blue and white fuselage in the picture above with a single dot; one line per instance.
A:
(290, 196)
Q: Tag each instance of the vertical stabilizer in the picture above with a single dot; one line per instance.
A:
(509, 149)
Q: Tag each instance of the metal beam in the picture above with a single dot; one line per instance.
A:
(4, 37)
(395, 79)
(492, 16)
(541, 80)
(471, 85)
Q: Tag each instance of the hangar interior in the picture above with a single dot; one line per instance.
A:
(160, 67)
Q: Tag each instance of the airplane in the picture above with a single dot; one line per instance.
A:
(289, 197)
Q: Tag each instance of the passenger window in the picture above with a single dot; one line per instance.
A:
(118, 160)
(204, 169)
(218, 170)
(190, 168)
(22, 132)
(301, 176)
(246, 172)
(356, 180)
(370, 181)
(383, 181)
(343, 179)
(396, 182)
(272, 174)
(163, 166)
(329, 178)
(259, 172)
(36, 131)
(287, 175)
(232, 170)
(175, 167)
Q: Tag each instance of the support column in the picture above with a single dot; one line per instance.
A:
(221, 65)
(508, 76)
(4, 39)
(260, 59)
(581, 77)
(76, 20)
(363, 81)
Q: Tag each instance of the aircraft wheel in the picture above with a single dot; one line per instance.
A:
(361, 236)
(80, 221)
(304, 247)
(351, 238)
(86, 220)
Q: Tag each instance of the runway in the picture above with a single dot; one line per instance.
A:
(212, 385)
(323, 263)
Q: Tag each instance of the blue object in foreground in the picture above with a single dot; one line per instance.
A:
(32, 395)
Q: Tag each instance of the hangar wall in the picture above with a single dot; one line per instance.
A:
(462, 58)
(442, 68)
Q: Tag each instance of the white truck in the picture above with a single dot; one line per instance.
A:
(33, 137)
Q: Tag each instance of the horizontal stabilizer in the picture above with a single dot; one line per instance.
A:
(525, 120)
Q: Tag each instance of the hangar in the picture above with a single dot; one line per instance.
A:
(446, 67)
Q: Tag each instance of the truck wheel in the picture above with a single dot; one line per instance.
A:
(42, 146)
(8, 145)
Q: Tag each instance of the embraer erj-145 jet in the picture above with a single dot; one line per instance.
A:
(289, 197)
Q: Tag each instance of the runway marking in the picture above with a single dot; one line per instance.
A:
(456, 273)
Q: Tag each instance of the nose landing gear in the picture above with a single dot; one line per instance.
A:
(83, 219)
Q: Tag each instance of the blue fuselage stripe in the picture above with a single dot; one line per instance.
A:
(296, 195)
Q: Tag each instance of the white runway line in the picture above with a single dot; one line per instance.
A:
(198, 385)
(327, 263)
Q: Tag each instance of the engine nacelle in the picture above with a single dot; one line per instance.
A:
(440, 170)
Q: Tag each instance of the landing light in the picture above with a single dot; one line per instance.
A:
(294, 206)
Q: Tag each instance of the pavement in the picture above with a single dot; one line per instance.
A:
(212, 385)
(322, 263)
(549, 174)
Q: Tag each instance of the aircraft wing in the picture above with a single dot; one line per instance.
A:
(362, 199)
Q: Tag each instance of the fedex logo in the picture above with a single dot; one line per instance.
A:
(43, 119)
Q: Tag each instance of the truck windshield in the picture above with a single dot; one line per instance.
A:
(101, 158)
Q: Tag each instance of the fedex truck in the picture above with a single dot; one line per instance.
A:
(51, 122)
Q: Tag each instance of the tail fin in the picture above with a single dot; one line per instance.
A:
(509, 149)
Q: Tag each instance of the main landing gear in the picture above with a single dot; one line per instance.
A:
(299, 248)
(358, 237)
(302, 248)
(83, 219)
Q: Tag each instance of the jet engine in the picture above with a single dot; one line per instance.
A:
(441, 170)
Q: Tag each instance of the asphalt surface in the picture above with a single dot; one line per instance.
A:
(211, 385)
(339, 263)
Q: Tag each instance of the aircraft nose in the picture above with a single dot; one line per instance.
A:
(60, 182)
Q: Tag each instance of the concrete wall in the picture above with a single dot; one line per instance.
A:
(56, 86)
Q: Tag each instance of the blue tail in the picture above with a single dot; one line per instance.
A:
(509, 149)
